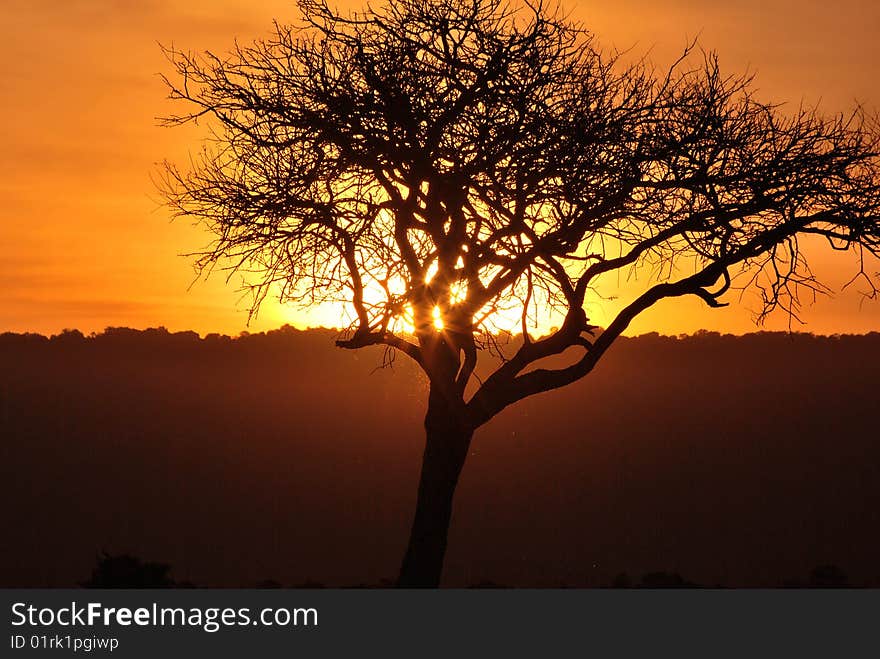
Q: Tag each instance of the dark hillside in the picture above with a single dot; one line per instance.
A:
(732, 460)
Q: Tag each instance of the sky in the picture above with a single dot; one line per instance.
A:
(89, 245)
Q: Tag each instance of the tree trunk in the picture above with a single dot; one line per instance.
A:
(446, 447)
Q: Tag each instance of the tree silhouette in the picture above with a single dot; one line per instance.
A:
(440, 167)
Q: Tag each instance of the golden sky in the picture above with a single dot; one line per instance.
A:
(87, 244)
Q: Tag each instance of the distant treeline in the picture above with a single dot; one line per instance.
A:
(161, 335)
(277, 458)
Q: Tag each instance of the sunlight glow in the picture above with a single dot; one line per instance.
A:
(438, 320)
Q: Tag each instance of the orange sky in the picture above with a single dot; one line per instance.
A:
(87, 244)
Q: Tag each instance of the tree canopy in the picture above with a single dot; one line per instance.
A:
(437, 165)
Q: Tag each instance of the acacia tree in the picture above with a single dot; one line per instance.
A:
(438, 165)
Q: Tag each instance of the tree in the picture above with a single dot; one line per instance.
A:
(438, 165)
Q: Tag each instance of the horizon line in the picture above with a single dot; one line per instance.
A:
(287, 328)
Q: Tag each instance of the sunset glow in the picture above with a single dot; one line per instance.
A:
(422, 294)
(92, 246)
